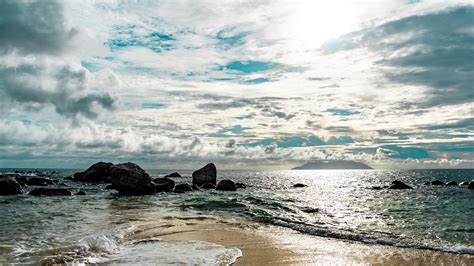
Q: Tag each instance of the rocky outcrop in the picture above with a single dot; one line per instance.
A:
(437, 183)
(163, 184)
(81, 193)
(399, 185)
(175, 174)
(131, 179)
(50, 192)
(464, 183)
(39, 181)
(452, 183)
(9, 186)
(183, 187)
(226, 185)
(299, 185)
(97, 173)
(207, 174)
(471, 185)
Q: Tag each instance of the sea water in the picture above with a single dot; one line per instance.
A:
(336, 204)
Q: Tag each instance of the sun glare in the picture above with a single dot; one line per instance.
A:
(313, 22)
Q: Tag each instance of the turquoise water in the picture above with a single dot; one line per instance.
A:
(336, 204)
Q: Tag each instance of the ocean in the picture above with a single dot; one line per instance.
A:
(336, 204)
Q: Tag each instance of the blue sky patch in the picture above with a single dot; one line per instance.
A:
(154, 105)
(342, 112)
(258, 80)
(248, 67)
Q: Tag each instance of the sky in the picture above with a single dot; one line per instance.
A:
(244, 84)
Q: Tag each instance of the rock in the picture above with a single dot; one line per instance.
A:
(399, 185)
(452, 183)
(207, 174)
(23, 180)
(96, 173)
(175, 174)
(50, 192)
(471, 185)
(464, 183)
(207, 186)
(376, 188)
(81, 193)
(299, 185)
(226, 185)
(194, 187)
(39, 181)
(70, 178)
(183, 187)
(110, 187)
(437, 183)
(178, 191)
(131, 179)
(163, 184)
(9, 186)
(240, 185)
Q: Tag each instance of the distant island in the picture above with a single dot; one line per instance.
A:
(332, 165)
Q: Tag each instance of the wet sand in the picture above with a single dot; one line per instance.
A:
(269, 245)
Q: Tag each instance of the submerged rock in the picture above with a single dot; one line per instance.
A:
(50, 192)
(240, 185)
(183, 187)
(208, 186)
(110, 187)
(376, 188)
(452, 183)
(163, 184)
(9, 186)
(39, 181)
(299, 185)
(96, 173)
(81, 193)
(226, 185)
(399, 185)
(175, 174)
(131, 179)
(207, 174)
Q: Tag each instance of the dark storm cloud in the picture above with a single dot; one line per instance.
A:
(22, 85)
(38, 28)
(32, 27)
(434, 50)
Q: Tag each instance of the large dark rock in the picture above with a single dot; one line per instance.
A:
(39, 181)
(452, 183)
(9, 186)
(299, 185)
(464, 183)
(399, 185)
(437, 183)
(183, 187)
(163, 184)
(207, 186)
(175, 174)
(131, 179)
(471, 185)
(97, 173)
(226, 185)
(50, 192)
(207, 174)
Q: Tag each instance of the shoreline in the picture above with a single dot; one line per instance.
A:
(272, 245)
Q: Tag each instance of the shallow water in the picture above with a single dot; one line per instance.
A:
(336, 204)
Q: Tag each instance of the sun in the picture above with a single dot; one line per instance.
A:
(313, 22)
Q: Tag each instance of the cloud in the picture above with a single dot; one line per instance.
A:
(33, 27)
(432, 50)
(32, 73)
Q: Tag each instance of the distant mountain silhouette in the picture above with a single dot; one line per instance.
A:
(332, 164)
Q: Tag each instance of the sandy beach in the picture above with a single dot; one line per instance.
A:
(270, 245)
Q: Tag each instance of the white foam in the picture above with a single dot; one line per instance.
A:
(174, 252)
